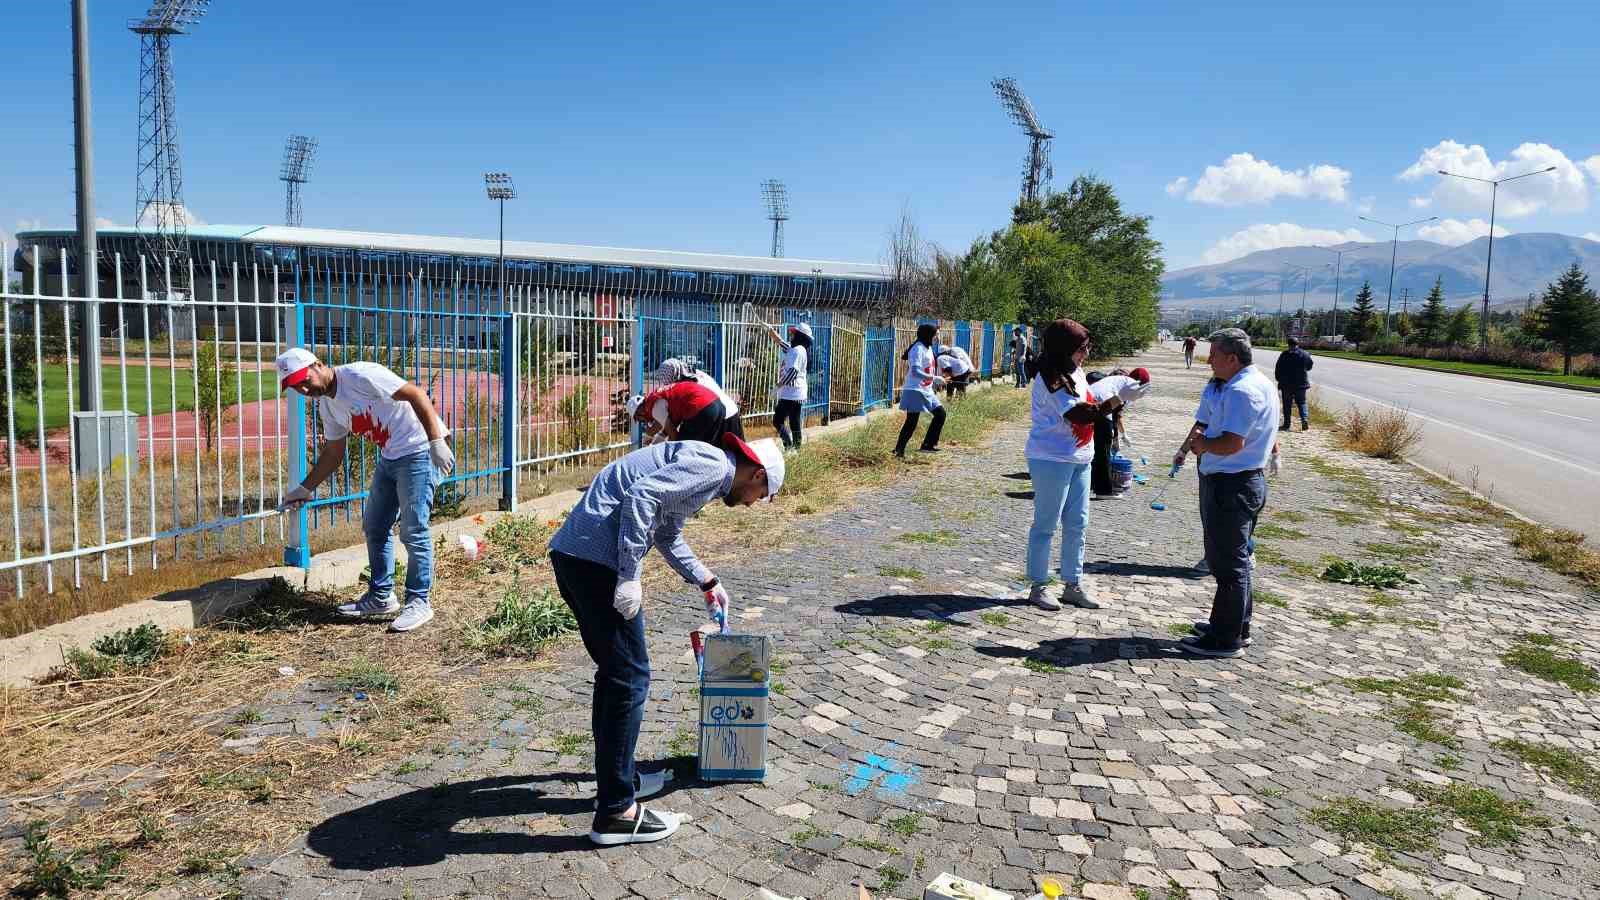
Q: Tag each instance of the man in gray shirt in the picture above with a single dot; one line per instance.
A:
(637, 502)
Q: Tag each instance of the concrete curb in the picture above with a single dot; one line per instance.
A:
(31, 655)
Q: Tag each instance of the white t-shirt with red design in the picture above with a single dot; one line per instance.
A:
(1052, 437)
(364, 404)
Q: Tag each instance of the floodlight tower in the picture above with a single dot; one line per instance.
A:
(298, 152)
(777, 197)
(499, 187)
(161, 220)
(1037, 170)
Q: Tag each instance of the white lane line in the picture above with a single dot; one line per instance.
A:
(1478, 434)
(1564, 415)
(1492, 400)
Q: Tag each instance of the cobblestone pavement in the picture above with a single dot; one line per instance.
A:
(925, 720)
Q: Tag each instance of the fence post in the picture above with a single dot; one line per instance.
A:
(636, 362)
(509, 358)
(298, 551)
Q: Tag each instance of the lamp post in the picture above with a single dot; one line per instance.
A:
(1394, 247)
(1488, 265)
(1338, 271)
(499, 187)
(1305, 271)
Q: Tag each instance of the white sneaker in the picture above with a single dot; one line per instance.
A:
(647, 826)
(1039, 595)
(370, 607)
(647, 784)
(416, 614)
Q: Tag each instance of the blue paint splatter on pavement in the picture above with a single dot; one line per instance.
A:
(883, 771)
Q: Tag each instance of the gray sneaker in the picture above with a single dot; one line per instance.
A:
(1039, 595)
(416, 614)
(370, 607)
(1202, 567)
(1073, 595)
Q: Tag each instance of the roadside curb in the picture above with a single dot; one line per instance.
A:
(1512, 378)
(28, 656)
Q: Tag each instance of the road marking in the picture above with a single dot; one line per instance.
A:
(1492, 400)
(1565, 416)
(1478, 434)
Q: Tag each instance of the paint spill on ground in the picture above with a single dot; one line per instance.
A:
(883, 772)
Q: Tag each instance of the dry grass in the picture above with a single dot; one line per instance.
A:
(1382, 434)
(1559, 549)
(147, 744)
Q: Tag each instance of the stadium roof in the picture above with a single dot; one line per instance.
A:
(534, 250)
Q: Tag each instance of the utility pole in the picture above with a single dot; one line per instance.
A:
(1488, 265)
(88, 264)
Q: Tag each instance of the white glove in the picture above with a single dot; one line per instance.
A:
(296, 496)
(717, 603)
(443, 459)
(628, 599)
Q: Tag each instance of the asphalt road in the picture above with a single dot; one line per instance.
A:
(1534, 449)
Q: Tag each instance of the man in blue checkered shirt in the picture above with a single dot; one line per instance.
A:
(637, 502)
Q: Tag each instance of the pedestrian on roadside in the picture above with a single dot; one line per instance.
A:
(1019, 355)
(917, 394)
(1233, 436)
(787, 417)
(673, 370)
(1293, 374)
(956, 366)
(637, 502)
(1189, 343)
(1060, 449)
(414, 457)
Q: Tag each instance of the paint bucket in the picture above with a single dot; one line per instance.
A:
(1121, 472)
(733, 707)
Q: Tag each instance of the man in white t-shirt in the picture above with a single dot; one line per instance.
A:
(413, 456)
(957, 368)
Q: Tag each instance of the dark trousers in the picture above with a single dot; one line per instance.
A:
(956, 384)
(929, 440)
(786, 418)
(621, 678)
(708, 425)
(1293, 396)
(1229, 507)
(1100, 470)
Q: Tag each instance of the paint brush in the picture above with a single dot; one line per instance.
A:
(1159, 504)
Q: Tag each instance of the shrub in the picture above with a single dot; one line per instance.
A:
(1382, 434)
(521, 623)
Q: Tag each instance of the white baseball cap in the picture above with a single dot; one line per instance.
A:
(801, 327)
(293, 364)
(765, 453)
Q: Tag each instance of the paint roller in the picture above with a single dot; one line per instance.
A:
(1159, 504)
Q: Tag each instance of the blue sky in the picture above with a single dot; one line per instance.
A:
(653, 125)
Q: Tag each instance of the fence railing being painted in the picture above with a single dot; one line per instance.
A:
(195, 446)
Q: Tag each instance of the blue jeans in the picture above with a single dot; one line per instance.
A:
(621, 678)
(401, 489)
(1229, 507)
(1060, 494)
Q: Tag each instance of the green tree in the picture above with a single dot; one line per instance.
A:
(1363, 316)
(1462, 327)
(989, 289)
(1569, 315)
(1403, 326)
(24, 370)
(217, 393)
(1433, 321)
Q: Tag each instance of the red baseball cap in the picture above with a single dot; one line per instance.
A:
(293, 365)
(1141, 375)
(764, 453)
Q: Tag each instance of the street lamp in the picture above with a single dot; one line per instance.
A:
(1337, 272)
(1305, 271)
(499, 187)
(1494, 195)
(1393, 247)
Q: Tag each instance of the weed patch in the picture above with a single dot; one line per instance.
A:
(1423, 686)
(1269, 598)
(1382, 434)
(127, 650)
(906, 825)
(1388, 830)
(365, 676)
(996, 619)
(1422, 722)
(899, 572)
(521, 623)
(1041, 666)
(1384, 576)
(571, 743)
(1269, 530)
(1558, 549)
(1289, 515)
(1401, 551)
(1339, 619)
(942, 537)
(1539, 656)
(1497, 821)
(52, 872)
(1558, 762)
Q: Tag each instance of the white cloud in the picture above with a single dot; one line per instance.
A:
(1178, 185)
(1564, 190)
(1367, 205)
(1593, 165)
(1271, 237)
(149, 214)
(1242, 179)
(1421, 202)
(1591, 235)
(1454, 232)
(103, 222)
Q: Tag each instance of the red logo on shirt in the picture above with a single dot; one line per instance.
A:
(368, 427)
(1084, 434)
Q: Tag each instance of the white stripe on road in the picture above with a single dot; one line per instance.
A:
(1564, 415)
(1492, 400)
(1478, 434)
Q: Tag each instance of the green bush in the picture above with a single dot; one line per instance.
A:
(1342, 571)
(521, 623)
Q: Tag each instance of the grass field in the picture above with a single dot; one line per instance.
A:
(160, 382)
(1465, 368)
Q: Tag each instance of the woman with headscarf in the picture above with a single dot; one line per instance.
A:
(791, 382)
(917, 395)
(1060, 450)
(673, 370)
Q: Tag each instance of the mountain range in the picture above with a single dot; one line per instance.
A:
(1523, 264)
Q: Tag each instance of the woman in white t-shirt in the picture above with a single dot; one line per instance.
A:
(786, 417)
(1060, 450)
(917, 395)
